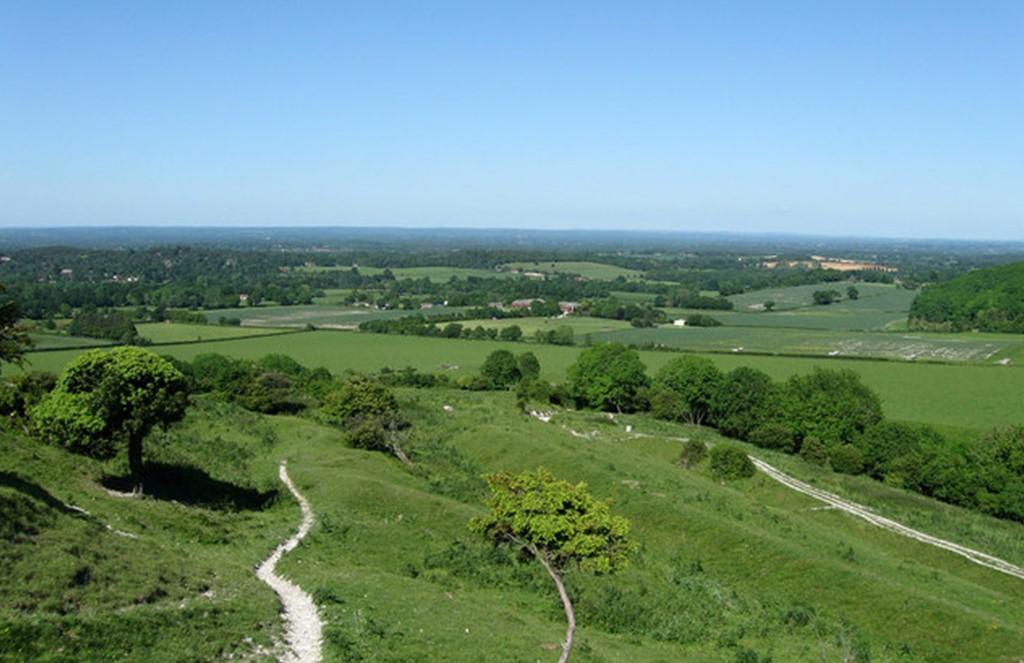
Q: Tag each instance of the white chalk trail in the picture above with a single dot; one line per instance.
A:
(303, 627)
(855, 509)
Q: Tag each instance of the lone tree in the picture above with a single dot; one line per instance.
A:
(108, 399)
(561, 525)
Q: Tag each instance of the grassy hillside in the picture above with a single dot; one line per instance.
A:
(736, 571)
(86, 575)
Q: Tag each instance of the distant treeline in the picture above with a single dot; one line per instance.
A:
(54, 281)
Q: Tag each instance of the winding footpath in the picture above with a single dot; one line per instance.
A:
(303, 627)
(862, 512)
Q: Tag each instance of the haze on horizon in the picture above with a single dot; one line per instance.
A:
(867, 119)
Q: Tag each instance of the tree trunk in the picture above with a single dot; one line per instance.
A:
(570, 616)
(397, 450)
(135, 463)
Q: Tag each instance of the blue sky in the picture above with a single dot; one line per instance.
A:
(900, 119)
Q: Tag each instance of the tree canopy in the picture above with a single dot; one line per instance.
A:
(501, 369)
(608, 377)
(108, 399)
(695, 380)
(988, 300)
(831, 404)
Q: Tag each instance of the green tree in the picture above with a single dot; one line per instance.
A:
(369, 413)
(695, 380)
(529, 366)
(852, 293)
(607, 376)
(832, 404)
(501, 369)
(108, 399)
(814, 451)
(769, 305)
(772, 435)
(14, 340)
(511, 333)
(846, 458)
(825, 297)
(883, 444)
(746, 399)
(560, 525)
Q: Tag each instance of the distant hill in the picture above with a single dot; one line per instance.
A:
(987, 300)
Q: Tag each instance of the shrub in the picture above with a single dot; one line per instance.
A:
(772, 436)
(813, 450)
(692, 454)
(730, 461)
(847, 459)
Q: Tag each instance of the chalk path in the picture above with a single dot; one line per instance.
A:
(303, 627)
(855, 509)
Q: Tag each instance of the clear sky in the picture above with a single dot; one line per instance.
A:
(894, 118)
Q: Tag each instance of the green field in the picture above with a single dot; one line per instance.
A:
(879, 307)
(436, 274)
(581, 326)
(590, 270)
(171, 332)
(340, 317)
(58, 342)
(961, 396)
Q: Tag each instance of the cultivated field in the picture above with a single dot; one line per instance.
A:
(589, 270)
(434, 274)
(791, 341)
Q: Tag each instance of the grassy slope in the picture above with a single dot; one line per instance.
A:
(723, 567)
(183, 590)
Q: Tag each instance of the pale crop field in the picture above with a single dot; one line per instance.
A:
(590, 270)
(812, 342)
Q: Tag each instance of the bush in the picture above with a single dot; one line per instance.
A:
(730, 461)
(692, 454)
(814, 451)
(663, 403)
(772, 436)
(846, 459)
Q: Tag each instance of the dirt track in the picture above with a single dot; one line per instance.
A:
(862, 512)
(303, 628)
